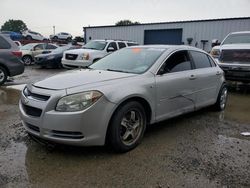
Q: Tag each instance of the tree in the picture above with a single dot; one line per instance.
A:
(14, 25)
(126, 22)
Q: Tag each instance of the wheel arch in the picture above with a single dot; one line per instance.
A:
(6, 68)
(146, 105)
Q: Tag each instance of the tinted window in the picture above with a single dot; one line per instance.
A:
(49, 46)
(4, 44)
(179, 61)
(113, 44)
(132, 44)
(200, 60)
(121, 45)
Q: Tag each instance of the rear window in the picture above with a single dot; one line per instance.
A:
(4, 44)
(200, 60)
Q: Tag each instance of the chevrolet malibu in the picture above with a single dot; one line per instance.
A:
(117, 97)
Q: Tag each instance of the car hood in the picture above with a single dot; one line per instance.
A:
(79, 78)
(235, 46)
(81, 51)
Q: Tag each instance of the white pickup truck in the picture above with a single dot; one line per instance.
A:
(92, 52)
(233, 56)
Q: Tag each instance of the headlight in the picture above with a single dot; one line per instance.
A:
(78, 102)
(51, 57)
(215, 53)
(85, 56)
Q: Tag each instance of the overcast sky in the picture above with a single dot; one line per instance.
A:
(72, 15)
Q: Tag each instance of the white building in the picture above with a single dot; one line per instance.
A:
(200, 32)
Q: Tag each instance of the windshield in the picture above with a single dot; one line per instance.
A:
(96, 45)
(27, 47)
(130, 60)
(237, 38)
(62, 49)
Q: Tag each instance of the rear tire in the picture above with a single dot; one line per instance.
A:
(220, 104)
(127, 127)
(3, 75)
(55, 38)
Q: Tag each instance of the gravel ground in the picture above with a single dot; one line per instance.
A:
(201, 149)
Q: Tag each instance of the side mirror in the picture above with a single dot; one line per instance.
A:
(110, 49)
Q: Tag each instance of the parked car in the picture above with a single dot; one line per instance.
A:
(12, 35)
(10, 59)
(54, 58)
(31, 35)
(61, 36)
(29, 51)
(92, 52)
(114, 100)
(233, 56)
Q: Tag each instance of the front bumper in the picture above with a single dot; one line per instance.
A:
(84, 128)
(75, 63)
(46, 62)
(236, 72)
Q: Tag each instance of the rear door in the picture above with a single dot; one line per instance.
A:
(207, 80)
(175, 87)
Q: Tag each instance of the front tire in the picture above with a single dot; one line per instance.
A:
(221, 102)
(3, 75)
(27, 59)
(127, 127)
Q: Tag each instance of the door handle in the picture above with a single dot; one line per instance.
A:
(192, 77)
(218, 73)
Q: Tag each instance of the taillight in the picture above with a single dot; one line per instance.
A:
(17, 53)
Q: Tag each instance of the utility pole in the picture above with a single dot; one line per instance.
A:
(54, 29)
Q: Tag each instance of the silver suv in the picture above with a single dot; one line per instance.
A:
(92, 52)
(10, 59)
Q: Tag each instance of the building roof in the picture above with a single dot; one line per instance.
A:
(171, 22)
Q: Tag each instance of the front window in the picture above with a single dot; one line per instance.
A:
(95, 45)
(129, 60)
(237, 38)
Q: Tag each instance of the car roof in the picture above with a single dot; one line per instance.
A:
(112, 40)
(240, 32)
(166, 47)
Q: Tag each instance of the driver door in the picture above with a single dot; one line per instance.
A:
(175, 91)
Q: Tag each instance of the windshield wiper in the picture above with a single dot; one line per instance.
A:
(114, 70)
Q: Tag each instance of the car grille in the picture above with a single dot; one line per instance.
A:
(39, 97)
(32, 111)
(242, 56)
(66, 134)
(71, 56)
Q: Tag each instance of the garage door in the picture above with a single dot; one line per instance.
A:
(164, 36)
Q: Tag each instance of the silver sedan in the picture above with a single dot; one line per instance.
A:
(114, 99)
